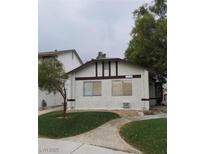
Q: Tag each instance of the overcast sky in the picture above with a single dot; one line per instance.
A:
(89, 26)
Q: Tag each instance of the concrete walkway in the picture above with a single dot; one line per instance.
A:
(104, 139)
(48, 146)
(60, 108)
(108, 135)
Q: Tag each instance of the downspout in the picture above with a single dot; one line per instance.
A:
(146, 87)
(144, 90)
(71, 90)
(71, 87)
(74, 84)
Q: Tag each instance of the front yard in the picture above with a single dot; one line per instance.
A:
(149, 136)
(53, 125)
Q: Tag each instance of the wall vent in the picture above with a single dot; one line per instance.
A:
(126, 105)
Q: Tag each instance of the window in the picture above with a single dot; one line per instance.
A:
(122, 88)
(92, 88)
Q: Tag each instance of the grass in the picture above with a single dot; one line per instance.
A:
(52, 125)
(149, 136)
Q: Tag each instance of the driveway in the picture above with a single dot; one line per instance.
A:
(51, 146)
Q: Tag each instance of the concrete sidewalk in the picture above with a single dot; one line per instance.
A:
(51, 146)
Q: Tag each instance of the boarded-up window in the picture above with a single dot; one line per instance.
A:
(122, 88)
(117, 88)
(92, 88)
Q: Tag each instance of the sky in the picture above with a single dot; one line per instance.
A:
(88, 26)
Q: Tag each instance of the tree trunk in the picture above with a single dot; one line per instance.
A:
(65, 103)
(64, 107)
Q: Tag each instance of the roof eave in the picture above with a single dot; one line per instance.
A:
(55, 53)
(99, 60)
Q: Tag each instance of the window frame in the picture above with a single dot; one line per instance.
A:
(92, 88)
(122, 88)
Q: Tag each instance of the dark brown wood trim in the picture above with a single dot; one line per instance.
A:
(116, 64)
(103, 66)
(70, 99)
(96, 69)
(105, 60)
(145, 99)
(148, 99)
(109, 68)
(137, 76)
(106, 77)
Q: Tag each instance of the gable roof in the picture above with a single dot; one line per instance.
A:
(56, 52)
(105, 60)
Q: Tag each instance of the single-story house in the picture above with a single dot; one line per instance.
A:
(110, 83)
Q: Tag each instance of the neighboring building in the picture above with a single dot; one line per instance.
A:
(110, 83)
(70, 60)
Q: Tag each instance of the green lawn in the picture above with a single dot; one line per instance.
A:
(149, 136)
(52, 125)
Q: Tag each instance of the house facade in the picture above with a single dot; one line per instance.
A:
(109, 83)
(70, 60)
